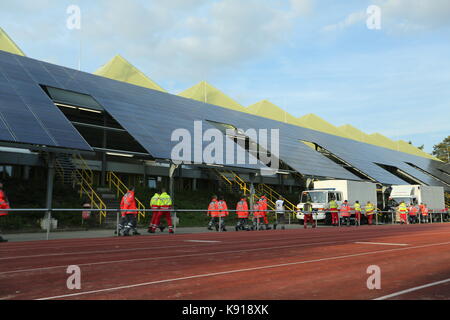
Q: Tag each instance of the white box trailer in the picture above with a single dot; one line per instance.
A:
(339, 190)
(432, 196)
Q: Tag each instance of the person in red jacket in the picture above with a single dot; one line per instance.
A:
(263, 207)
(412, 212)
(242, 213)
(257, 216)
(345, 213)
(129, 213)
(424, 212)
(4, 204)
(213, 212)
(223, 212)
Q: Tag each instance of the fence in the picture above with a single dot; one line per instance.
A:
(381, 217)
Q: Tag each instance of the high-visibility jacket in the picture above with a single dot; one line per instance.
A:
(242, 209)
(307, 208)
(212, 208)
(412, 210)
(402, 208)
(425, 211)
(345, 210)
(128, 204)
(421, 206)
(223, 208)
(257, 213)
(357, 207)
(165, 201)
(3, 203)
(154, 201)
(370, 209)
(333, 204)
(263, 204)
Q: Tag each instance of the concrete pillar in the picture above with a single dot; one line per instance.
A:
(194, 184)
(49, 197)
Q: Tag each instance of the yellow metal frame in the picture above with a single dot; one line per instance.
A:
(120, 188)
(84, 177)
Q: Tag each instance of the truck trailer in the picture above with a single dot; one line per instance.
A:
(432, 196)
(339, 190)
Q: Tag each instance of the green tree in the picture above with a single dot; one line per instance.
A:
(442, 150)
(420, 148)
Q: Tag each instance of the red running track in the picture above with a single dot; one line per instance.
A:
(324, 263)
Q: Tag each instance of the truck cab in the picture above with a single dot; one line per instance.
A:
(319, 199)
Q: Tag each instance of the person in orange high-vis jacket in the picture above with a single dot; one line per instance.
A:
(213, 212)
(242, 214)
(4, 204)
(412, 212)
(223, 212)
(129, 214)
(424, 213)
(263, 207)
(257, 216)
(344, 211)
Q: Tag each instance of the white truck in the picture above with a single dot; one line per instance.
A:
(326, 190)
(432, 196)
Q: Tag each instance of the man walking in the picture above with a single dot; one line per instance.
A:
(279, 209)
(223, 212)
(263, 208)
(307, 214)
(165, 204)
(345, 213)
(129, 213)
(242, 213)
(334, 212)
(213, 212)
(370, 210)
(154, 205)
(357, 207)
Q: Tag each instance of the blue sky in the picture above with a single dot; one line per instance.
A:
(307, 56)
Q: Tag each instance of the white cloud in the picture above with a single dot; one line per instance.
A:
(196, 40)
(415, 14)
(402, 16)
(351, 19)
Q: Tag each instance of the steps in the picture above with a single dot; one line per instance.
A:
(66, 170)
(109, 197)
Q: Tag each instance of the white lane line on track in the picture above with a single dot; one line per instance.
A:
(158, 238)
(384, 243)
(395, 234)
(202, 254)
(326, 231)
(240, 270)
(210, 241)
(395, 294)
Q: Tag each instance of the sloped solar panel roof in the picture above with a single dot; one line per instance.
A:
(27, 115)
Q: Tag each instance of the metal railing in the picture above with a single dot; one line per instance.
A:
(120, 188)
(260, 190)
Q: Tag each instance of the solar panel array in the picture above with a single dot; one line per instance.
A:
(27, 115)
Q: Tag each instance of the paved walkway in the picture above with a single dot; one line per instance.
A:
(13, 237)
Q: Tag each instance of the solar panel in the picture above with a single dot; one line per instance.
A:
(28, 115)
